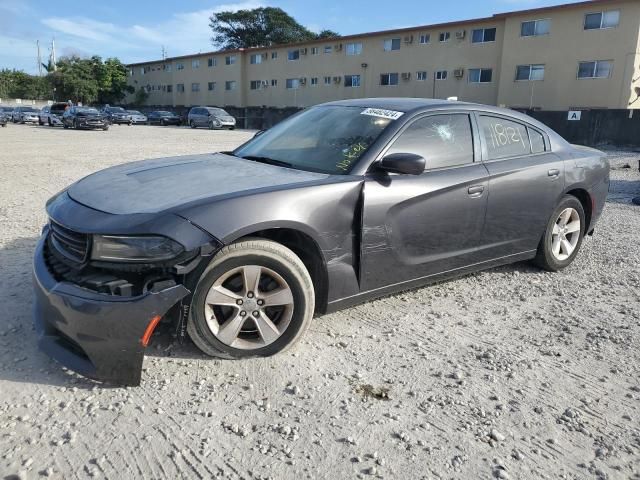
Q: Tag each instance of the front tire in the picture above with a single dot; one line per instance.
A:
(192, 124)
(563, 236)
(255, 299)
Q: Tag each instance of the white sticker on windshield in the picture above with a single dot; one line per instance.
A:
(379, 112)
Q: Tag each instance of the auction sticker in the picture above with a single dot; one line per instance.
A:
(379, 112)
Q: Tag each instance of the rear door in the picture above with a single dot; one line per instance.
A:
(525, 180)
(415, 226)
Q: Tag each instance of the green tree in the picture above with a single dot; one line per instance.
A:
(259, 27)
(140, 97)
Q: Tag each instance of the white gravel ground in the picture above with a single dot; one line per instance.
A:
(511, 373)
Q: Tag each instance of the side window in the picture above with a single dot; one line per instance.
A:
(443, 140)
(537, 141)
(504, 138)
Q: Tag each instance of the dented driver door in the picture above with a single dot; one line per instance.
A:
(416, 226)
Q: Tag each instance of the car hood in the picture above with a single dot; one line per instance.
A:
(157, 185)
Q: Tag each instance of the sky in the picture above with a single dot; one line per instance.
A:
(136, 30)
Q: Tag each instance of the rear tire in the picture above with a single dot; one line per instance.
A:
(192, 124)
(563, 236)
(249, 273)
(162, 123)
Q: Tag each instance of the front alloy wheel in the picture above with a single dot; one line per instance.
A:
(255, 299)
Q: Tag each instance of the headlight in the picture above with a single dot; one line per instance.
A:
(112, 248)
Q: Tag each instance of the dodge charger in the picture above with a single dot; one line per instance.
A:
(340, 203)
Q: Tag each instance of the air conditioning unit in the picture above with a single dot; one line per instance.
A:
(458, 72)
(303, 51)
(408, 39)
(303, 81)
(406, 76)
(338, 47)
(337, 79)
(460, 34)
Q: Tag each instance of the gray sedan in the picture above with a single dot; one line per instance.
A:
(339, 204)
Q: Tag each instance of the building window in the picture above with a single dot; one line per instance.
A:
(274, 55)
(255, 84)
(230, 85)
(535, 28)
(195, 63)
(327, 80)
(483, 35)
(314, 81)
(167, 67)
(293, 55)
(169, 88)
(388, 79)
(255, 59)
(212, 62)
(352, 81)
(180, 87)
(480, 75)
(421, 76)
(529, 73)
(211, 86)
(596, 69)
(328, 49)
(441, 75)
(293, 83)
(315, 50)
(597, 21)
(195, 87)
(179, 66)
(391, 44)
(445, 36)
(274, 83)
(354, 48)
(425, 38)
(230, 60)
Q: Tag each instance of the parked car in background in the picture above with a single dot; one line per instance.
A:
(52, 114)
(210, 117)
(336, 205)
(136, 117)
(85, 118)
(26, 115)
(5, 115)
(162, 117)
(116, 115)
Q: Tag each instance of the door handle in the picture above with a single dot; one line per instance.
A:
(476, 190)
(554, 172)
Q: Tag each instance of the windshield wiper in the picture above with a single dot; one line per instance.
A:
(270, 161)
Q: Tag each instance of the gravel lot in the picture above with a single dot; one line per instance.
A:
(511, 373)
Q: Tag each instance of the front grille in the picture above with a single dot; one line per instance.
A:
(72, 245)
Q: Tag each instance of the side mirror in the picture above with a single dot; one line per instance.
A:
(258, 133)
(405, 163)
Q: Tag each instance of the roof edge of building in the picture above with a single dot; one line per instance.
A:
(496, 16)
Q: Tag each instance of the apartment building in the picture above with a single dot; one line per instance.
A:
(573, 56)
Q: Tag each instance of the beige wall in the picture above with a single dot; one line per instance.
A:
(560, 51)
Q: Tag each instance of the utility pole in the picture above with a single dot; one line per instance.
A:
(39, 58)
(52, 56)
(164, 53)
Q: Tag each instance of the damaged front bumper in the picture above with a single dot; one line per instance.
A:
(96, 335)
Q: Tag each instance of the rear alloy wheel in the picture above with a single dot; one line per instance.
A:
(192, 124)
(255, 299)
(162, 122)
(563, 236)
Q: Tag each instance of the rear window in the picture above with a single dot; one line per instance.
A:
(504, 138)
